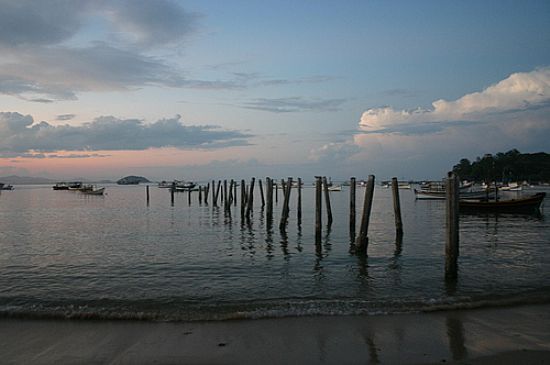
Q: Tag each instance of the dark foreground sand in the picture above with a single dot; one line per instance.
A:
(514, 335)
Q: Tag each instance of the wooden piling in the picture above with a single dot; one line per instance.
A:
(206, 190)
(218, 188)
(318, 208)
(243, 199)
(189, 196)
(362, 240)
(213, 192)
(230, 197)
(396, 207)
(327, 201)
(172, 191)
(269, 193)
(200, 194)
(299, 208)
(276, 193)
(235, 193)
(352, 199)
(286, 209)
(147, 193)
(225, 200)
(261, 192)
(452, 225)
(250, 200)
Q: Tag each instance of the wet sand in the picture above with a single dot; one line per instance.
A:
(507, 335)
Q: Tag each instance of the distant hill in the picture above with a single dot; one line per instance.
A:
(132, 180)
(25, 180)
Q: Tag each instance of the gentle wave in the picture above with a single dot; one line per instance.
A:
(179, 311)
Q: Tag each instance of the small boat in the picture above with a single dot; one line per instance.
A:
(99, 191)
(528, 204)
(75, 185)
(61, 186)
(441, 195)
(85, 188)
(6, 187)
(335, 188)
(185, 185)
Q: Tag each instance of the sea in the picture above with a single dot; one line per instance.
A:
(64, 254)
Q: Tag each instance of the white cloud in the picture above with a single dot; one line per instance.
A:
(520, 91)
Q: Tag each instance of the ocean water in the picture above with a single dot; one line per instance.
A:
(68, 255)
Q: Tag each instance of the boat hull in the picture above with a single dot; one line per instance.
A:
(523, 205)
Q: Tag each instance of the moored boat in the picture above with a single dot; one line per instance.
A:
(6, 187)
(61, 186)
(528, 204)
(92, 191)
(441, 195)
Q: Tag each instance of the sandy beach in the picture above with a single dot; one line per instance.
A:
(507, 335)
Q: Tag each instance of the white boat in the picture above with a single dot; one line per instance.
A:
(335, 188)
(99, 191)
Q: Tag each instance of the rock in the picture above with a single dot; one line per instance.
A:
(132, 180)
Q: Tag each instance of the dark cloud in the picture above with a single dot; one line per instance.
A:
(19, 134)
(294, 104)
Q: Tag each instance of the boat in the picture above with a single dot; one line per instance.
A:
(6, 187)
(527, 204)
(335, 188)
(99, 191)
(61, 186)
(185, 185)
(74, 185)
(441, 194)
(85, 188)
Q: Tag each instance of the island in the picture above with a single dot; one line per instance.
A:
(132, 180)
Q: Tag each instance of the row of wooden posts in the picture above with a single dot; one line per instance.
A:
(229, 198)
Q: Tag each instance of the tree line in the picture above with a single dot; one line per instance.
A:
(510, 166)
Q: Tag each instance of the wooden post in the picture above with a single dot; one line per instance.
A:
(452, 222)
(235, 193)
(213, 192)
(147, 193)
(225, 200)
(206, 190)
(218, 188)
(261, 192)
(286, 209)
(362, 240)
(299, 208)
(327, 201)
(230, 198)
(243, 199)
(396, 207)
(189, 196)
(318, 208)
(200, 194)
(250, 202)
(172, 190)
(352, 188)
(276, 193)
(269, 192)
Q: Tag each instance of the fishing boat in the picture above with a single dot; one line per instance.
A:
(74, 185)
(6, 187)
(528, 204)
(61, 186)
(99, 191)
(441, 195)
(185, 185)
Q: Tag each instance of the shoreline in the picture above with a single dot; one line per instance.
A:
(502, 335)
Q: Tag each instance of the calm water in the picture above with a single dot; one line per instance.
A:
(70, 255)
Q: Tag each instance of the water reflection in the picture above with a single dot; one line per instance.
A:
(455, 334)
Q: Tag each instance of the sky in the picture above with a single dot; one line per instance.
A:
(100, 89)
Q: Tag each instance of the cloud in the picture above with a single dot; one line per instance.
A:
(39, 60)
(19, 134)
(520, 91)
(426, 143)
(294, 104)
(65, 117)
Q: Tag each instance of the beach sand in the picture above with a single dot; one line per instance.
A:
(505, 335)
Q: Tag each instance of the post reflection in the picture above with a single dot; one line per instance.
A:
(455, 334)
